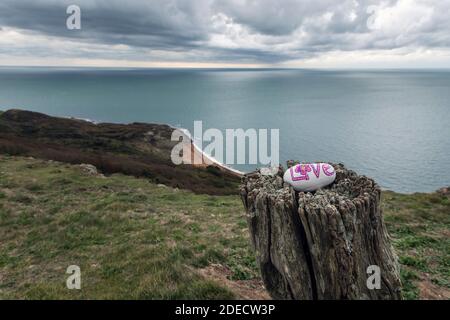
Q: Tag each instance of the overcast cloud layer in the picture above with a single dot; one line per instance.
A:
(390, 33)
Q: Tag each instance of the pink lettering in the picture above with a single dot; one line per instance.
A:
(300, 172)
(327, 169)
(316, 170)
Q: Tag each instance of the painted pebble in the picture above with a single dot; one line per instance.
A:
(310, 176)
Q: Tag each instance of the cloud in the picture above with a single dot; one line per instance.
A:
(224, 31)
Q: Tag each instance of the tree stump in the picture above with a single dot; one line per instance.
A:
(320, 245)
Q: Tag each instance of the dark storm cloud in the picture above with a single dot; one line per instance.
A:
(141, 23)
(234, 30)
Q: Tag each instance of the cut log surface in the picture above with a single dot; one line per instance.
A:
(319, 245)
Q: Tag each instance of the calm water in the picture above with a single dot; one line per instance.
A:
(391, 125)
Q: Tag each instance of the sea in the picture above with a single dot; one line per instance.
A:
(392, 125)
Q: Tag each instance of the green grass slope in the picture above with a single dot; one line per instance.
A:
(132, 239)
(419, 225)
(137, 240)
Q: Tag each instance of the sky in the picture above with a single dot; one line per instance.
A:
(228, 33)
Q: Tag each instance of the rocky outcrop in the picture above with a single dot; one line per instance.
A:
(445, 191)
(89, 169)
(320, 245)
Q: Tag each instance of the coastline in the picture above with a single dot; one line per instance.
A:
(196, 151)
(136, 149)
(207, 160)
(198, 198)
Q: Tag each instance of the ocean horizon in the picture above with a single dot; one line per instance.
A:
(392, 125)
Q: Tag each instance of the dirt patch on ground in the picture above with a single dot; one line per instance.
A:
(430, 291)
(254, 289)
(244, 289)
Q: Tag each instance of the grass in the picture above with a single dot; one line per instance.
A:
(135, 240)
(419, 225)
(132, 239)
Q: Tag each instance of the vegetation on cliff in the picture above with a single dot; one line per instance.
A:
(138, 149)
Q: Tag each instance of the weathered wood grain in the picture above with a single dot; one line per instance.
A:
(319, 245)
